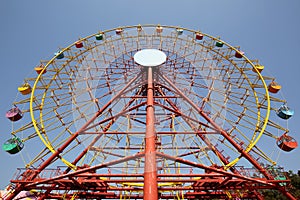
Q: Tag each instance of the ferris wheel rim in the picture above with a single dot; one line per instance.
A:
(49, 146)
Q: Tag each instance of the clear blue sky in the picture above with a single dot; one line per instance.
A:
(32, 30)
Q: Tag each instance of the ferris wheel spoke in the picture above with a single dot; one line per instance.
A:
(99, 112)
(261, 154)
(117, 115)
(39, 158)
(112, 119)
(69, 140)
(248, 125)
(209, 145)
(223, 133)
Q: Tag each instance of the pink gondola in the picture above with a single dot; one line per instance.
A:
(14, 114)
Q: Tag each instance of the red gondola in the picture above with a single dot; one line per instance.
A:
(239, 54)
(79, 44)
(199, 36)
(286, 143)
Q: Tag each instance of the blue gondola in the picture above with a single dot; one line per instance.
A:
(284, 112)
(59, 55)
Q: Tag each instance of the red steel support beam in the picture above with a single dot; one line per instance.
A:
(220, 171)
(222, 132)
(56, 154)
(228, 138)
(150, 171)
(85, 170)
(203, 137)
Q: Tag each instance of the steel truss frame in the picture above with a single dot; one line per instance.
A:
(150, 88)
(86, 183)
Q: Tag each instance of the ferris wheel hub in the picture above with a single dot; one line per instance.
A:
(150, 57)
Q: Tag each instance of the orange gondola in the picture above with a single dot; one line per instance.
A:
(40, 69)
(274, 87)
(286, 143)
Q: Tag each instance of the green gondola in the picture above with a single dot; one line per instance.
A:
(13, 145)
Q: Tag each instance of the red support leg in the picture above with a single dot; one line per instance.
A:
(150, 171)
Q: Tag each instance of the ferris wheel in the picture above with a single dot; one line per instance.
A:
(148, 112)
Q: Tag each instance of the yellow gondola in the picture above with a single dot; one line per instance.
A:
(259, 68)
(25, 89)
